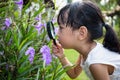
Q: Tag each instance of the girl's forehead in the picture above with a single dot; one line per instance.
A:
(63, 17)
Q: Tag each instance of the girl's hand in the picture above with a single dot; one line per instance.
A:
(58, 50)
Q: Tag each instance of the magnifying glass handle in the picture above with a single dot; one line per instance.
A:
(54, 41)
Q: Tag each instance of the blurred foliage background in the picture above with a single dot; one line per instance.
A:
(14, 65)
(111, 12)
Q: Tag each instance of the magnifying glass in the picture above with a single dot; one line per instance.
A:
(51, 31)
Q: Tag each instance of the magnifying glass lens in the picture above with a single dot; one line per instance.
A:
(51, 31)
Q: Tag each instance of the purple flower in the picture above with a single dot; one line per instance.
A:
(31, 53)
(20, 4)
(39, 26)
(7, 22)
(38, 18)
(3, 28)
(44, 24)
(45, 50)
(56, 30)
(54, 20)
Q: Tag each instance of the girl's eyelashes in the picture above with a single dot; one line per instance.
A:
(61, 27)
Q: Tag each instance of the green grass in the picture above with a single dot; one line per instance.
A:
(72, 55)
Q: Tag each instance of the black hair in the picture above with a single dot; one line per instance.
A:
(89, 15)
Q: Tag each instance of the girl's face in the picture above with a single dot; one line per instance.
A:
(66, 36)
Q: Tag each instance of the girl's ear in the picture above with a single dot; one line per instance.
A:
(83, 32)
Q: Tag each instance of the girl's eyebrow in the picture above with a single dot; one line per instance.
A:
(60, 26)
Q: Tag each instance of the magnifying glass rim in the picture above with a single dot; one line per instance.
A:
(49, 26)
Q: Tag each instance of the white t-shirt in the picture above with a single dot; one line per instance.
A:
(103, 56)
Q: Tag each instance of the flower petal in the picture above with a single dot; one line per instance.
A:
(7, 22)
(45, 50)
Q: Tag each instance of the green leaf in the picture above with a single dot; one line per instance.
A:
(26, 39)
(24, 64)
(3, 9)
(30, 31)
(16, 14)
(20, 36)
(61, 71)
(29, 70)
(26, 78)
(22, 51)
(8, 36)
(15, 38)
(2, 63)
(26, 7)
(38, 12)
(38, 73)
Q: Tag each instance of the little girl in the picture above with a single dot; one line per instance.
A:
(79, 25)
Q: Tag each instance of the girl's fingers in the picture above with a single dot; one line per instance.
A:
(57, 44)
(57, 49)
(55, 52)
(54, 48)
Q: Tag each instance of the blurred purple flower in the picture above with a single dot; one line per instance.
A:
(20, 4)
(54, 20)
(56, 30)
(7, 22)
(31, 53)
(45, 50)
(38, 18)
(3, 28)
(39, 26)
(44, 24)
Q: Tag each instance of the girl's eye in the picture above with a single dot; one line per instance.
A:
(61, 27)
